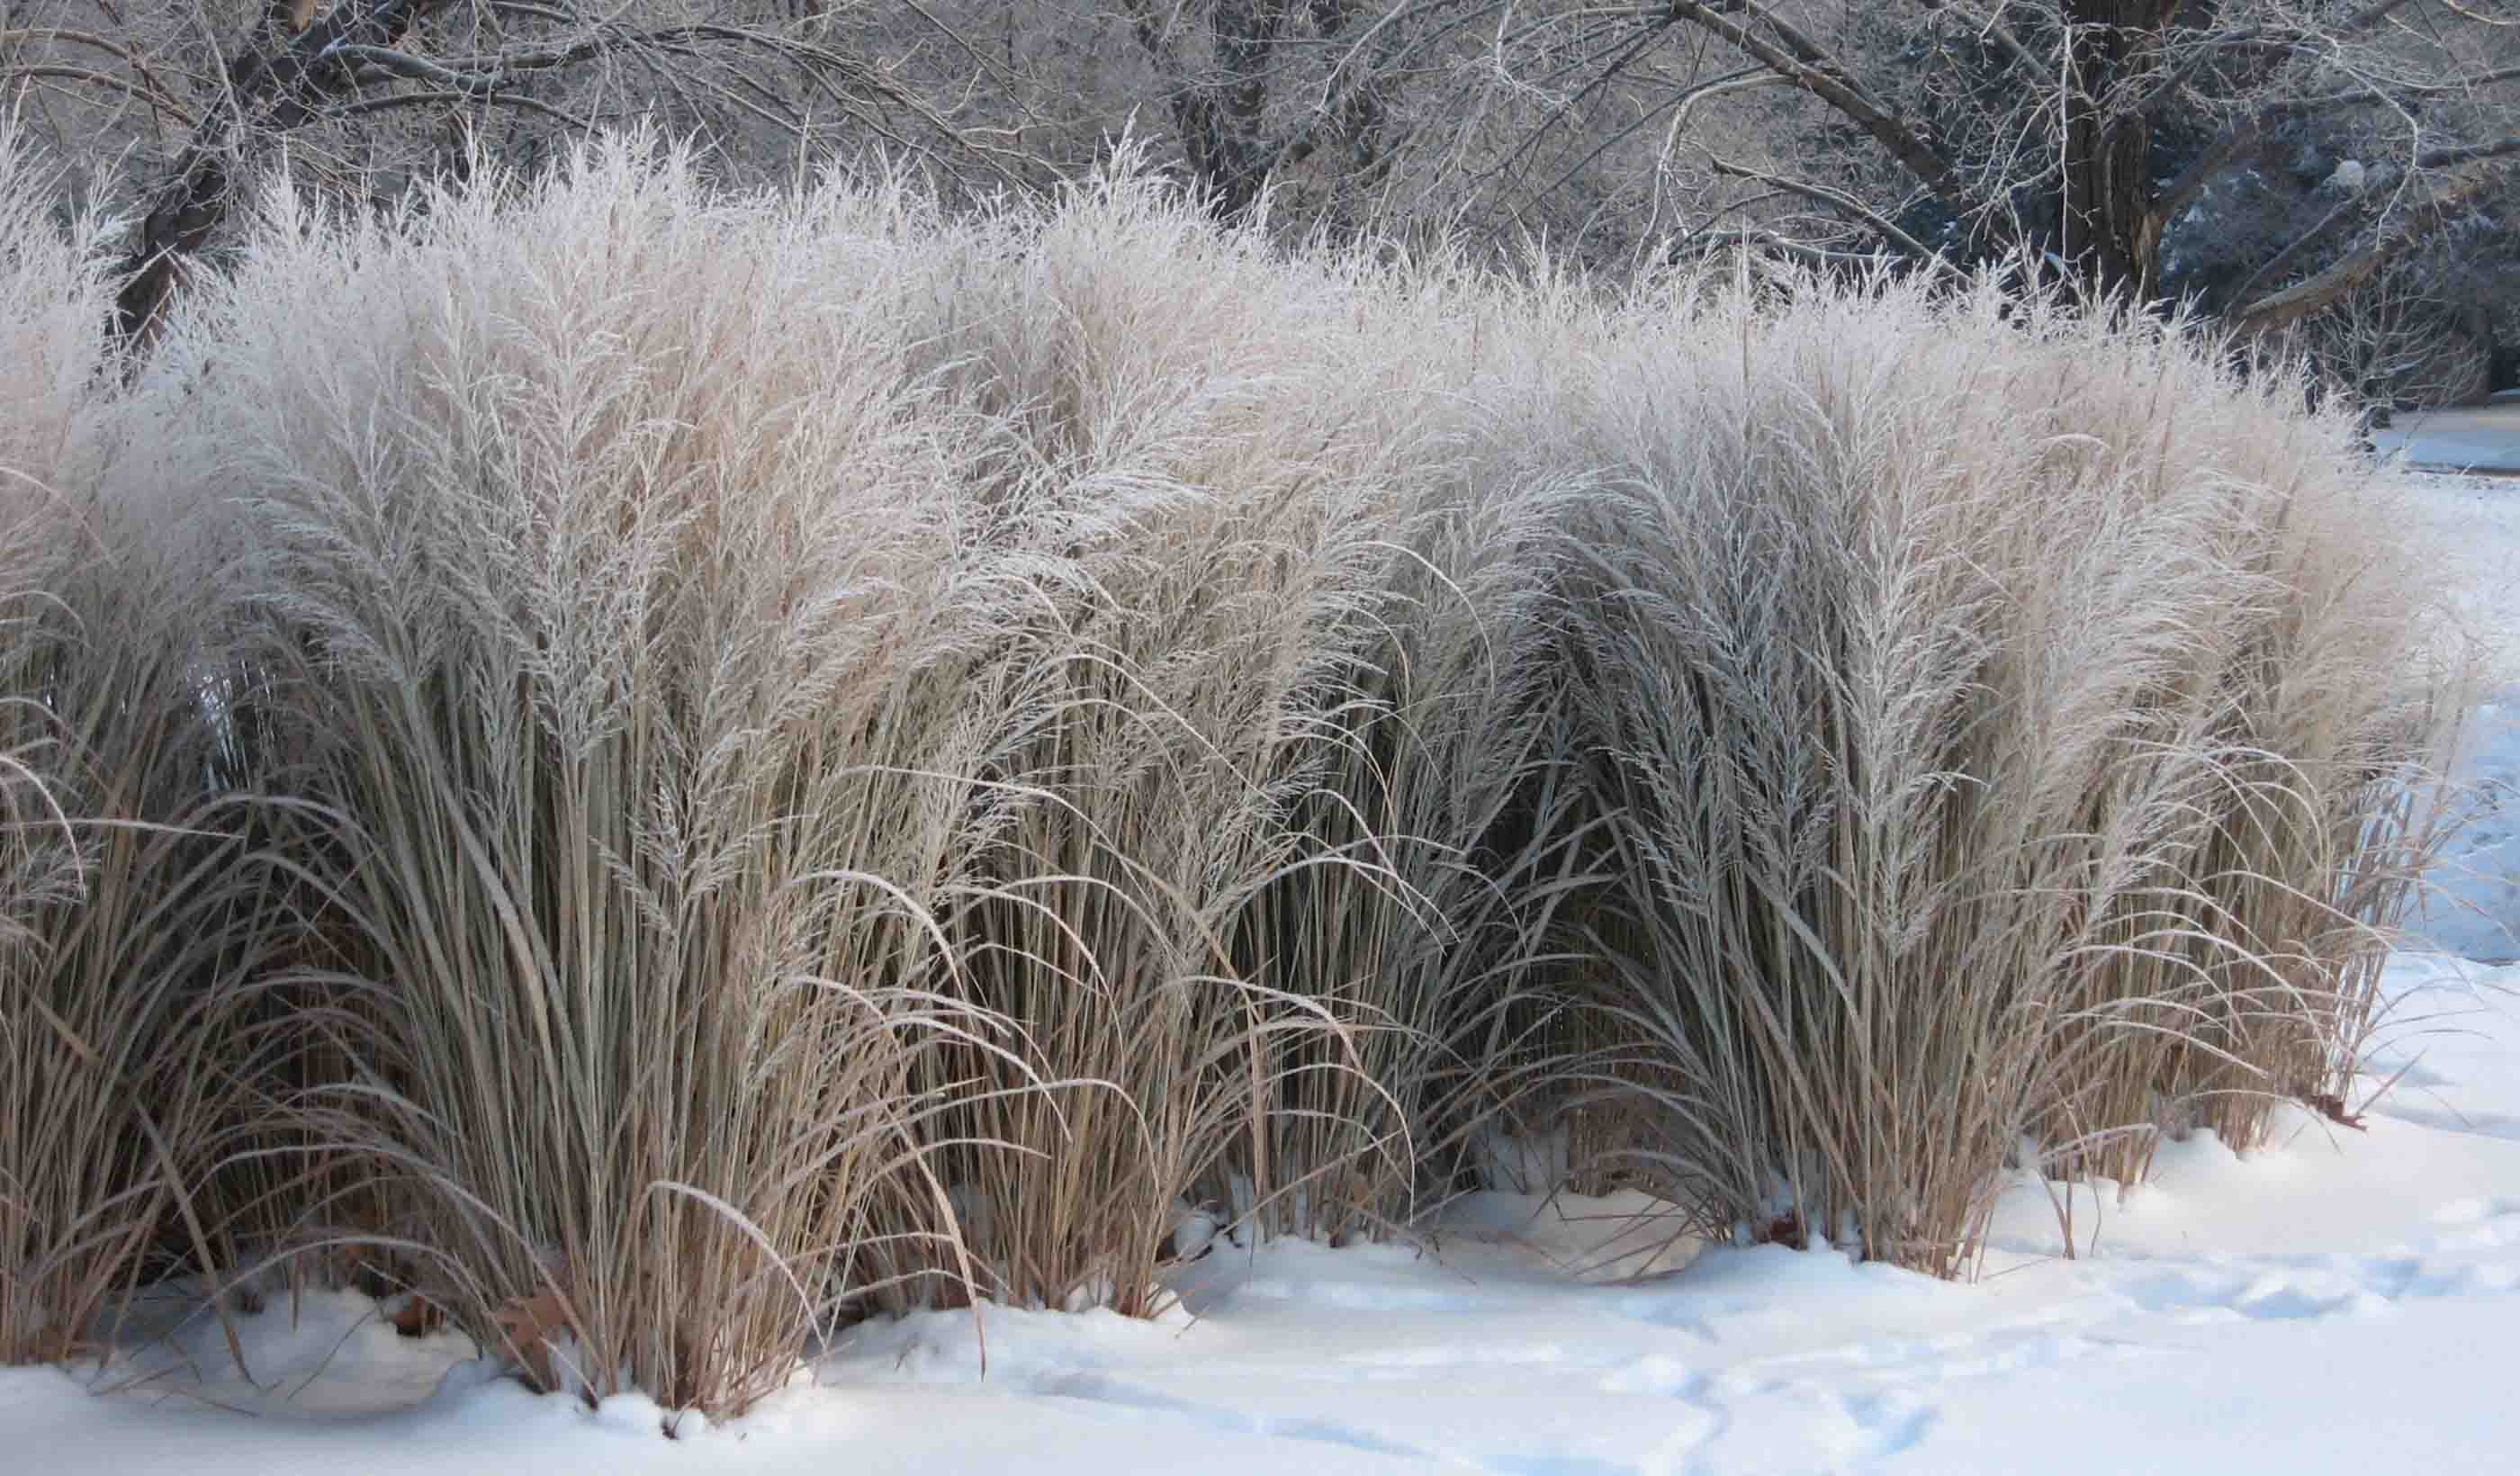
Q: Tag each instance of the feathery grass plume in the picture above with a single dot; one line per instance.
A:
(1192, 445)
(2316, 684)
(1435, 762)
(615, 605)
(123, 946)
(1983, 740)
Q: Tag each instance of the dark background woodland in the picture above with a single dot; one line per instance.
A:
(2338, 171)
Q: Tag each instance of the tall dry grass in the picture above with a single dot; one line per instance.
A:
(1998, 717)
(636, 679)
(798, 755)
(1237, 879)
(126, 1042)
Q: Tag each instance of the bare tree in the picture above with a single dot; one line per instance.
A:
(392, 90)
(2087, 131)
(2268, 159)
(1333, 106)
(1254, 88)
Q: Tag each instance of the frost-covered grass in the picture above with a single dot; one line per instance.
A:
(1996, 724)
(714, 766)
(132, 938)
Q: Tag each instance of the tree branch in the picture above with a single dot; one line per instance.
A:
(1746, 236)
(1880, 224)
(439, 98)
(1792, 55)
(154, 92)
(147, 97)
(1991, 31)
(2307, 297)
(2244, 139)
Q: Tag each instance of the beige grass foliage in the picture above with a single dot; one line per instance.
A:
(125, 964)
(2000, 717)
(798, 755)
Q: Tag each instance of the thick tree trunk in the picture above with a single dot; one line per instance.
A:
(2108, 232)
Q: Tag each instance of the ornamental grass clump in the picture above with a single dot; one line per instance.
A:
(666, 769)
(1997, 720)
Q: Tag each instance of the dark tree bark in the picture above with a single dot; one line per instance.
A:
(2109, 234)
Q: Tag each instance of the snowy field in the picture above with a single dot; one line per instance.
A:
(2460, 437)
(2344, 1301)
(2473, 525)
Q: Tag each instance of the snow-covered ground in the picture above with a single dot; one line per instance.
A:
(2460, 437)
(2472, 526)
(2339, 1302)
